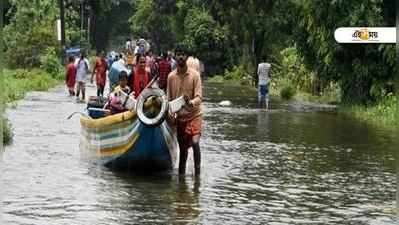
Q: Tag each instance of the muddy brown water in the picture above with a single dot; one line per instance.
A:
(295, 164)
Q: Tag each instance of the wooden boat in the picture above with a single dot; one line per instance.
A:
(132, 139)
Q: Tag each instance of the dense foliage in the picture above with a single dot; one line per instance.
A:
(296, 36)
(230, 37)
(30, 31)
(358, 68)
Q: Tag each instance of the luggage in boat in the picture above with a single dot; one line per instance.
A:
(96, 113)
(95, 107)
(96, 102)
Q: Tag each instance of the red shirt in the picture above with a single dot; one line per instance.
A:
(140, 80)
(70, 75)
(164, 69)
(101, 71)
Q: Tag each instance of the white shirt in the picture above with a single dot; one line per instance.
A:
(263, 73)
(122, 61)
(173, 63)
(128, 45)
(82, 69)
(136, 50)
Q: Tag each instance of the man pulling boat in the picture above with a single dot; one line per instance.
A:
(185, 81)
(144, 116)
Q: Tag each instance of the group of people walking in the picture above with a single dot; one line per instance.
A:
(76, 73)
(177, 76)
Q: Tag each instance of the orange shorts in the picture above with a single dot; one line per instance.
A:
(187, 129)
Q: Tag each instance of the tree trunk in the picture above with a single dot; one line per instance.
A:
(92, 28)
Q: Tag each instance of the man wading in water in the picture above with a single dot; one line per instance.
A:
(186, 82)
(82, 69)
(263, 83)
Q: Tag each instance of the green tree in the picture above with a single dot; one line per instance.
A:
(254, 28)
(152, 21)
(110, 22)
(357, 67)
(206, 38)
(30, 31)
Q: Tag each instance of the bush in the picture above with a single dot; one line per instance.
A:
(238, 73)
(7, 131)
(18, 82)
(216, 79)
(385, 112)
(50, 63)
(293, 68)
(287, 92)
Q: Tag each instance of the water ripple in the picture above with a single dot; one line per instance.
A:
(292, 165)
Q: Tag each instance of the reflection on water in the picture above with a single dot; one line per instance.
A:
(186, 206)
(295, 164)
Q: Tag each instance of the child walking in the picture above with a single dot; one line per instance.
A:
(71, 76)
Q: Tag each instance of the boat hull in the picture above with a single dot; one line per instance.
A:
(150, 152)
(121, 141)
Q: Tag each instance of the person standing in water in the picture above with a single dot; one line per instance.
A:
(100, 70)
(186, 82)
(71, 76)
(82, 67)
(263, 83)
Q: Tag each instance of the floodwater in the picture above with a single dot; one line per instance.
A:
(295, 164)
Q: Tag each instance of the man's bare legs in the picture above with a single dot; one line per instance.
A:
(182, 159)
(77, 90)
(196, 153)
(83, 91)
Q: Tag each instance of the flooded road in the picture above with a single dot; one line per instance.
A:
(296, 164)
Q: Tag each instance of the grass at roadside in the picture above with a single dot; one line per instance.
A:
(220, 80)
(17, 83)
(384, 113)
